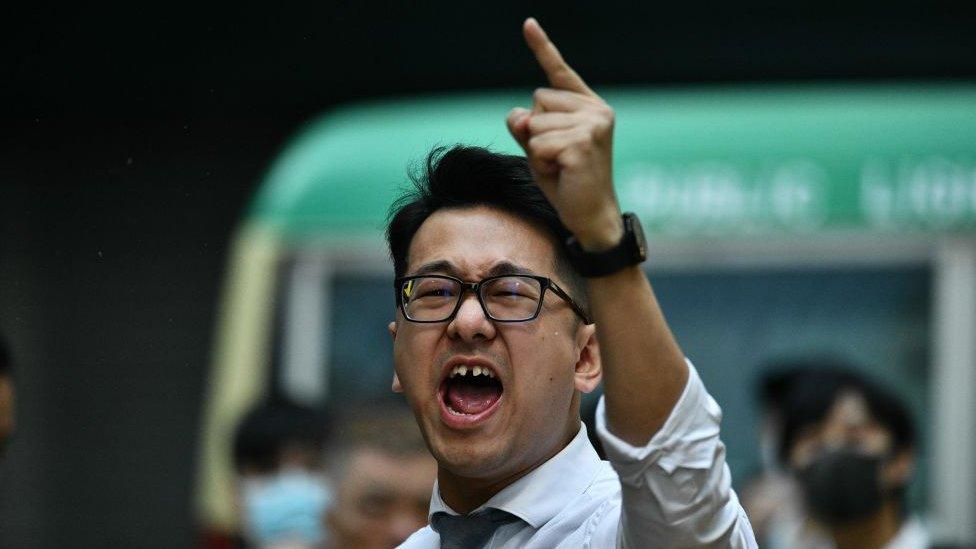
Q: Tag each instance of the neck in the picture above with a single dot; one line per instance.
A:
(873, 532)
(465, 494)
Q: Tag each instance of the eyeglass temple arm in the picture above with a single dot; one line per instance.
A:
(572, 303)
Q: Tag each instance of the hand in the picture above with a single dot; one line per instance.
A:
(568, 139)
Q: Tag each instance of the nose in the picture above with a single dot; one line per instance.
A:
(471, 323)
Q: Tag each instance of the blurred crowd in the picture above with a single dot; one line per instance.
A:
(360, 478)
(838, 453)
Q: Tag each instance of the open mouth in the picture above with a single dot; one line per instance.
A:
(470, 390)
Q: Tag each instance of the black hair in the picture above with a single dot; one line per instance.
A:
(371, 423)
(270, 427)
(462, 177)
(778, 376)
(811, 393)
(384, 425)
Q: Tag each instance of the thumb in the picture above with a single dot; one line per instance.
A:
(518, 126)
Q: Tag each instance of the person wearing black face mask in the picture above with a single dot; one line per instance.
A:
(850, 446)
(844, 485)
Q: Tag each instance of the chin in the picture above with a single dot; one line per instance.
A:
(464, 459)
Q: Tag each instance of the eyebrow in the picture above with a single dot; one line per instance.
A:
(509, 268)
(440, 266)
(444, 266)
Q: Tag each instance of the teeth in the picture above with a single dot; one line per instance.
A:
(475, 371)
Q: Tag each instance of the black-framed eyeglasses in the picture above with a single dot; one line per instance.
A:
(504, 298)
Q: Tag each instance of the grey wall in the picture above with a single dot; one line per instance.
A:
(110, 269)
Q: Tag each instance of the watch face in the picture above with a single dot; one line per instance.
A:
(638, 230)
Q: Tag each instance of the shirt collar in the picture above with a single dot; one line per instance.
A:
(546, 490)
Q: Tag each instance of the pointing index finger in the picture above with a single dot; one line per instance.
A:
(560, 75)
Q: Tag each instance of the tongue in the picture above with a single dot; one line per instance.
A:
(469, 398)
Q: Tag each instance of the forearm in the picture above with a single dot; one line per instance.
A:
(568, 138)
(676, 488)
(644, 370)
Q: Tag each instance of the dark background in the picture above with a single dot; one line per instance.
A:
(131, 138)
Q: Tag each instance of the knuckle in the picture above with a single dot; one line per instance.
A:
(602, 125)
(535, 124)
(535, 145)
(584, 135)
(564, 73)
(571, 159)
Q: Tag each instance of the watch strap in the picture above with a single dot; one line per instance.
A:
(629, 251)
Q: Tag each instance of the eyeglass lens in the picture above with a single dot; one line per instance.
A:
(434, 299)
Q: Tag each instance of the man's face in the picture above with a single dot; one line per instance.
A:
(538, 365)
(848, 423)
(381, 500)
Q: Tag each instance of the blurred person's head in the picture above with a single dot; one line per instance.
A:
(282, 489)
(383, 477)
(7, 413)
(851, 445)
(494, 399)
(772, 389)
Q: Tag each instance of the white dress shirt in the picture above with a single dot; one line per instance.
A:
(674, 492)
(799, 534)
(911, 535)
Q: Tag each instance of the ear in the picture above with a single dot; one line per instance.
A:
(589, 369)
(397, 388)
(898, 471)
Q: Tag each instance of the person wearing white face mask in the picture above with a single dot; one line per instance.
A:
(283, 492)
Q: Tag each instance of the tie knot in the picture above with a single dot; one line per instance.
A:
(469, 531)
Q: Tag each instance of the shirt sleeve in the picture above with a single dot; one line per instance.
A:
(677, 489)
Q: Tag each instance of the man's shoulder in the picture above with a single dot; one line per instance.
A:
(602, 498)
(425, 537)
(607, 481)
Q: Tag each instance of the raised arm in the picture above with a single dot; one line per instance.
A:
(676, 484)
(568, 139)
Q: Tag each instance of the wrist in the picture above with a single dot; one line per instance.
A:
(626, 249)
(603, 233)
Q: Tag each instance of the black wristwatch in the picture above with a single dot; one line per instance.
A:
(631, 250)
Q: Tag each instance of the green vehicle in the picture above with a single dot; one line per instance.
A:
(782, 221)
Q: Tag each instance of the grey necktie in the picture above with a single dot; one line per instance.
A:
(469, 531)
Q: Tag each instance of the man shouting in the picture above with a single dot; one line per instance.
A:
(518, 288)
